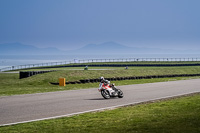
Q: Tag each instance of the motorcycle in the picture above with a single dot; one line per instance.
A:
(107, 94)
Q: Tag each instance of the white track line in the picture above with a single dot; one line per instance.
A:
(100, 109)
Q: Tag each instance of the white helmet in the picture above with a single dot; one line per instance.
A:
(102, 78)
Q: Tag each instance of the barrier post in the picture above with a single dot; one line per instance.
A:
(61, 81)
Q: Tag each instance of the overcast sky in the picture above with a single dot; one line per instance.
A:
(71, 24)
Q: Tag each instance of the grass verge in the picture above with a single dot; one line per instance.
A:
(176, 115)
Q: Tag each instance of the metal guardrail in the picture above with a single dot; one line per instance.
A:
(34, 65)
(96, 60)
(138, 59)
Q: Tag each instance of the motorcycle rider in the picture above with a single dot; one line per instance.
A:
(105, 82)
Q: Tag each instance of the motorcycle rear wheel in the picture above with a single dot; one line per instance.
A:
(105, 94)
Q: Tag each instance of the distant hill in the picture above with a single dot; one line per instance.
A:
(106, 48)
(22, 49)
(116, 48)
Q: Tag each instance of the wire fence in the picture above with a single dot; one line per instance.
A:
(18, 67)
(138, 59)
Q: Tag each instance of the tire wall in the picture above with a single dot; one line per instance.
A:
(26, 74)
(83, 81)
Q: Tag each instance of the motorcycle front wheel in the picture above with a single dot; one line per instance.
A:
(105, 94)
(120, 94)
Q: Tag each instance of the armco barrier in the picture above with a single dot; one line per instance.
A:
(26, 74)
(83, 81)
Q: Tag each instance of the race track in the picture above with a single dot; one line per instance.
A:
(33, 107)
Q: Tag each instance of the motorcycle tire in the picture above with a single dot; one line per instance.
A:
(120, 94)
(105, 94)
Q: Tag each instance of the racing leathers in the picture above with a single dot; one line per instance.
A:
(103, 84)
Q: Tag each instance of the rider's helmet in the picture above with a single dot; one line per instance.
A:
(101, 78)
(106, 82)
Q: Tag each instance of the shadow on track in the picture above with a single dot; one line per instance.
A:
(96, 99)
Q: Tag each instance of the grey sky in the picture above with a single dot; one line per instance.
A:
(71, 24)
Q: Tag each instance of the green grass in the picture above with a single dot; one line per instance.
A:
(10, 84)
(120, 71)
(180, 115)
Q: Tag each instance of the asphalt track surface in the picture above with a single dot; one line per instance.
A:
(41, 106)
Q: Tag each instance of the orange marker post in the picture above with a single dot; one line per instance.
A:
(61, 81)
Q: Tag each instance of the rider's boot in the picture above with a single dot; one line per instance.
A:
(112, 92)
